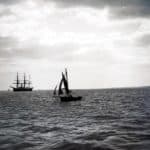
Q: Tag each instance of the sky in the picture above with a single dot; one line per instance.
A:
(102, 43)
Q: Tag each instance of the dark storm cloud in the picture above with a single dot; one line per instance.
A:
(144, 40)
(118, 8)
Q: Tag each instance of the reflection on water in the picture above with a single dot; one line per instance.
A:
(117, 119)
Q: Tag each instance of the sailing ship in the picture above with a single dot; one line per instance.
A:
(22, 85)
(65, 94)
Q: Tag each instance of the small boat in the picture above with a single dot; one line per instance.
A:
(65, 94)
(70, 98)
(22, 85)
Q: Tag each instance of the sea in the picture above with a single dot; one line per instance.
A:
(106, 119)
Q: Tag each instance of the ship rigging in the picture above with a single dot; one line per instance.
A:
(22, 85)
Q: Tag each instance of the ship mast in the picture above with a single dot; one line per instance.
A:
(17, 81)
(24, 81)
(29, 82)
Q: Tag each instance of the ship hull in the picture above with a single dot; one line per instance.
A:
(22, 89)
(70, 98)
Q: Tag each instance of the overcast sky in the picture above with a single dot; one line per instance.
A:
(103, 43)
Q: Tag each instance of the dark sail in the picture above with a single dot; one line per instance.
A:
(54, 93)
(64, 94)
(66, 74)
(65, 83)
(60, 89)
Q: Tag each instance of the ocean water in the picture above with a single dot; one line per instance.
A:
(112, 119)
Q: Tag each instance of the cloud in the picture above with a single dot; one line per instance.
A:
(131, 12)
(5, 46)
(9, 2)
(144, 40)
(11, 48)
(118, 8)
(88, 3)
(5, 12)
(4, 41)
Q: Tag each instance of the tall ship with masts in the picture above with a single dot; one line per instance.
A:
(22, 85)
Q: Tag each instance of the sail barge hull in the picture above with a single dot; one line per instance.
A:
(70, 98)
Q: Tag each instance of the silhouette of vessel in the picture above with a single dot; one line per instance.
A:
(22, 85)
(65, 94)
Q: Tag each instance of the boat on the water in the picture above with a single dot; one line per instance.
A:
(70, 98)
(64, 93)
(22, 85)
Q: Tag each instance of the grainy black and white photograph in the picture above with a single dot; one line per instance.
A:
(74, 75)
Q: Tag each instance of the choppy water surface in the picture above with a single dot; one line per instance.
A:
(117, 119)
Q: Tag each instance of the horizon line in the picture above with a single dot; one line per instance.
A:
(125, 87)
